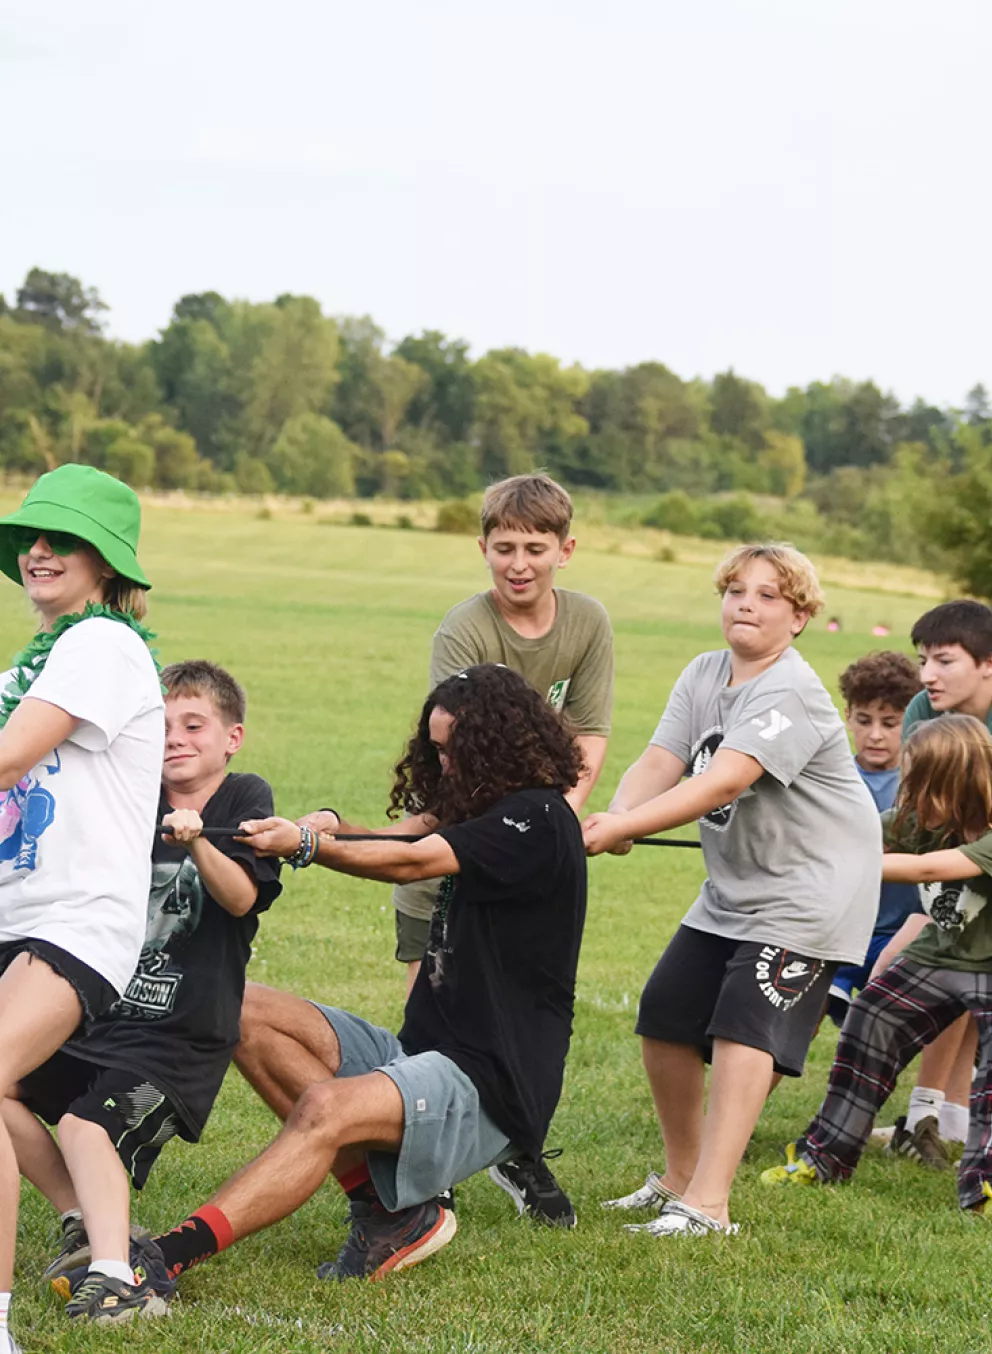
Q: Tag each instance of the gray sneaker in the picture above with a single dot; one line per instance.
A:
(75, 1251)
(923, 1144)
(652, 1194)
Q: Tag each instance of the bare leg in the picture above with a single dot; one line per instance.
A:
(739, 1087)
(676, 1076)
(286, 1046)
(938, 1059)
(38, 1155)
(412, 969)
(38, 1012)
(334, 1115)
(102, 1185)
(962, 1074)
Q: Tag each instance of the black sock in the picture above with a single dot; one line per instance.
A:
(201, 1236)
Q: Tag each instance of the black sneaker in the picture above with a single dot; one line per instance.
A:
(148, 1263)
(380, 1242)
(534, 1190)
(922, 1145)
(445, 1198)
(100, 1299)
(74, 1250)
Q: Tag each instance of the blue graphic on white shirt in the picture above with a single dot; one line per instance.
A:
(27, 810)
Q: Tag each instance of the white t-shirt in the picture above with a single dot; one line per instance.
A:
(76, 832)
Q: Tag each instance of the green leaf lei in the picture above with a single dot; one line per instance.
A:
(30, 662)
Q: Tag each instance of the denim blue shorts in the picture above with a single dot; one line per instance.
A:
(447, 1135)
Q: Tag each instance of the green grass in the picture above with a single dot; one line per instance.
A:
(329, 629)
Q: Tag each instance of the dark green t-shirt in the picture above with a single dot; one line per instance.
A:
(960, 932)
(920, 709)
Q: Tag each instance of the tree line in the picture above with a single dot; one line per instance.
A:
(279, 397)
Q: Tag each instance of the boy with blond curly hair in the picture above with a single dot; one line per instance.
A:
(792, 845)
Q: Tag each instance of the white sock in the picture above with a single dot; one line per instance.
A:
(4, 1305)
(953, 1121)
(923, 1103)
(114, 1269)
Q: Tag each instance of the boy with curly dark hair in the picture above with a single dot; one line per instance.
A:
(475, 1073)
(877, 691)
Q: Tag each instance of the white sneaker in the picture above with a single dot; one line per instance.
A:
(652, 1194)
(678, 1219)
(883, 1135)
(7, 1345)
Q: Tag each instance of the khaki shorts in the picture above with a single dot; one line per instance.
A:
(411, 937)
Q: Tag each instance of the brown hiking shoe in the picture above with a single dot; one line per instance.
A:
(922, 1145)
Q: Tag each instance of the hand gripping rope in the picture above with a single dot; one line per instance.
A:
(215, 833)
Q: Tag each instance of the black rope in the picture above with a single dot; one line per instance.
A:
(216, 833)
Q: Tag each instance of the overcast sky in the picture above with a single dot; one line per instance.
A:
(794, 188)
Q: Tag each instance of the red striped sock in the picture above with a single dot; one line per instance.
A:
(358, 1186)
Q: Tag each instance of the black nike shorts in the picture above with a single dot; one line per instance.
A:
(705, 987)
(138, 1118)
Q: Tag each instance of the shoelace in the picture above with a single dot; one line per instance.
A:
(88, 1289)
(544, 1182)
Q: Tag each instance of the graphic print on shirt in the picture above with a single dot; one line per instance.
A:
(175, 906)
(26, 810)
(557, 692)
(699, 760)
(950, 906)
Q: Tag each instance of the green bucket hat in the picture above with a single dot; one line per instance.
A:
(87, 503)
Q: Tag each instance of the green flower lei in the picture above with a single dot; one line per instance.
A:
(29, 664)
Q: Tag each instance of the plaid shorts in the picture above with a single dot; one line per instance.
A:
(895, 1016)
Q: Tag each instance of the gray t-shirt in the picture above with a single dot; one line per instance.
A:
(796, 860)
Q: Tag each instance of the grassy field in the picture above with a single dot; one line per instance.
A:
(329, 629)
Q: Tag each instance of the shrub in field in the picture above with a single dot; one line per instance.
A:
(458, 517)
(360, 519)
(673, 512)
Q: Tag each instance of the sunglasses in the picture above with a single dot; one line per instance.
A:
(59, 542)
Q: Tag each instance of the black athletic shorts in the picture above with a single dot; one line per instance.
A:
(95, 994)
(705, 987)
(136, 1116)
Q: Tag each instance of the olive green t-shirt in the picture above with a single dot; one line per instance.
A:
(960, 932)
(572, 664)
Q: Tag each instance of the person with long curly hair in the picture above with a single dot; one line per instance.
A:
(475, 1073)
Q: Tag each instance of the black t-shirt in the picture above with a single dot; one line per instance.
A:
(496, 990)
(178, 1021)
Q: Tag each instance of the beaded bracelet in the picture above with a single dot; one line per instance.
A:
(306, 852)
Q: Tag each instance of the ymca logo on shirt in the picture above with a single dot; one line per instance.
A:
(772, 725)
(699, 760)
